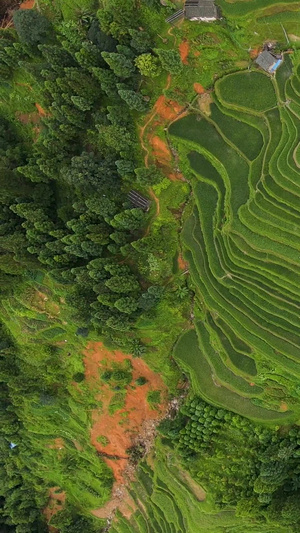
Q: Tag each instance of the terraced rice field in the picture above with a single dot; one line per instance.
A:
(242, 242)
(167, 500)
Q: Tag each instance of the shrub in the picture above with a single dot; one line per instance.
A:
(170, 60)
(32, 27)
(153, 397)
(141, 380)
(148, 65)
(78, 377)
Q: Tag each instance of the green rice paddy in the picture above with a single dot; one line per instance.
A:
(250, 90)
(242, 243)
(166, 501)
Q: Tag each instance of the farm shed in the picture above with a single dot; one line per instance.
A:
(203, 10)
(138, 200)
(268, 62)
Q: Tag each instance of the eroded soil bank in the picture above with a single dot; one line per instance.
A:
(113, 433)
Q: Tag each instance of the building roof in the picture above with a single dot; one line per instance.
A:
(200, 9)
(266, 60)
(138, 200)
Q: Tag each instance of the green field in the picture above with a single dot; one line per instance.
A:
(250, 90)
(167, 500)
(242, 242)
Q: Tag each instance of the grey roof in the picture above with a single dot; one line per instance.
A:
(200, 9)
(265, 60)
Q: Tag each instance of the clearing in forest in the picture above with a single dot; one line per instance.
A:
(125, 415)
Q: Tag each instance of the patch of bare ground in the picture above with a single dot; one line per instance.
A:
(120, 500)
(28, 118)
(204, 102)
(254, 52)
(182, 264)
(198, 88)
(164, 112)
(55, 504)
(29, 4)
(133, 424)
(57, 444)
(184, 48)
(293, 37)
(196, 489)
(41, 111)
(283, 407)
(41, 303)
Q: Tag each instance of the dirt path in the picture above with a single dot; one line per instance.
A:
(164, 112)
(41, 111)
(153, 195)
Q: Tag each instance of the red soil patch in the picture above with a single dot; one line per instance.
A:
(254, 53)
(41, 111)
(55, 504)
(182, 264)
(197, 53)
(32, 118)
(175, 177)
(28, 118)
(164, 111)
(199, 88)
(184, 48)
(167, 109)
(160, 150)
(29, 4)
(121, 428)
(283, 407)
(57, 444)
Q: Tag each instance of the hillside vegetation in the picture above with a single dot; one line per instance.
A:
(97, 99)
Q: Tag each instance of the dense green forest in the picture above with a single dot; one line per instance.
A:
(65, 215)
(89, 95)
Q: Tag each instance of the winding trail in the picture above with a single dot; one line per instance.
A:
(153, 195)
(167, 111)
(146, 149)
(150, 119)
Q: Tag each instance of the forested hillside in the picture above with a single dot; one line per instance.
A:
(149, 268)
(70, 100)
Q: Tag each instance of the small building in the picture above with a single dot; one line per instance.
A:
(203, 10)
(268, 61)
(138, 200)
